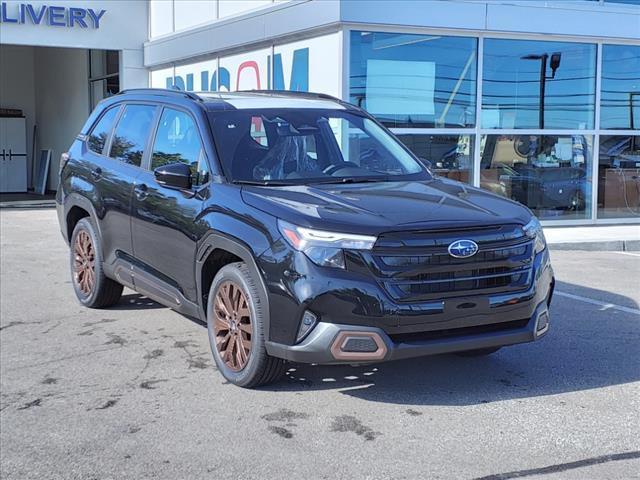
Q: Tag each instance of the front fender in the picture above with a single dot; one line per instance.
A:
(243, 250)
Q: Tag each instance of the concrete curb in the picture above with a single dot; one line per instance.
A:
(28, 205)
(603, 246)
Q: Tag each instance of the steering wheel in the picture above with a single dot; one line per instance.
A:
(331, 169)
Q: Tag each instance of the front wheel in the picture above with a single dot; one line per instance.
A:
(92, 287)
(236, 321)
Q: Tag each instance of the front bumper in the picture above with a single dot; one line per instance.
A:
(325, 341)
(351, 306)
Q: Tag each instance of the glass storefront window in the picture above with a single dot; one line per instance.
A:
(414, 80)
(449, 156)
(550, 174)
(620, 92)
(619, 176)
(531, 84)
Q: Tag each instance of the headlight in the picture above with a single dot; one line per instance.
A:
(324, 248)
(533, 230)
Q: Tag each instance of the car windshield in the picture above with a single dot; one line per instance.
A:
(302, 146)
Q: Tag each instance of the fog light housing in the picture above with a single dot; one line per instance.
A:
(543, 323)
(359, 344)
(307, 323)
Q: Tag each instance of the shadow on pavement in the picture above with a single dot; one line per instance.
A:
(588, 346)
(135, 301)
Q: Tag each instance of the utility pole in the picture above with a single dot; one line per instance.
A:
(555, 63)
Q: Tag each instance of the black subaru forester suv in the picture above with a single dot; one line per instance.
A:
(298, 228)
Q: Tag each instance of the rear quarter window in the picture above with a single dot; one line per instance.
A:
(100, 132)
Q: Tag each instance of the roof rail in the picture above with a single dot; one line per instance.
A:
(162, 92)
(295, 93)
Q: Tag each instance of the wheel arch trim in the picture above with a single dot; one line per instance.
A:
(76, 200)
(237, 247)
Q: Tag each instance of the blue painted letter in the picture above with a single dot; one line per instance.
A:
(36, 18)
(95, 17)
(5, 18)
(299, 72)
(76, 15)
(56, 17)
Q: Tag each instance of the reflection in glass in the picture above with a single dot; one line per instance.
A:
(414, 80)
(620, 92)
(449, 156)
(306, 146)
(550, 174)
(177, 140)
(531, 84)
(100, 133)
(619, 176)
(130, 137)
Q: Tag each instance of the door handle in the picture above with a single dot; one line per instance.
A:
(3, 154)
(10, 154)
(141, 191)
(96, 173)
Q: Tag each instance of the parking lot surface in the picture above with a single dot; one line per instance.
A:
(132, 391)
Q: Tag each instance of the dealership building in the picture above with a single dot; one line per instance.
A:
(538, 101)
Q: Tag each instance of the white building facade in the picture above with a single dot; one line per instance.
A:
(535, 100)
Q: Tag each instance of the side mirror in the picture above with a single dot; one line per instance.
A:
(174, 175)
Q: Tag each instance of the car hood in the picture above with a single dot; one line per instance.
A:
(373, 208)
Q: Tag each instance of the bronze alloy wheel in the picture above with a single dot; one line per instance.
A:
(232, 325)
(84, 269)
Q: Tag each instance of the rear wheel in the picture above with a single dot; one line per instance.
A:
(480, 352)
(235, 320)
(92, 288)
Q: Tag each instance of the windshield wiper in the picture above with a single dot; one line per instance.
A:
(351, 180)
(262, 183)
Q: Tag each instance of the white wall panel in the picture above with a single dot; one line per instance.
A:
(160, 17)
(565, 20)
(324, 56)
(189, 13)
(236, 7)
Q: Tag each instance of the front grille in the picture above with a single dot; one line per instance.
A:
(458, 332)
(416, 266)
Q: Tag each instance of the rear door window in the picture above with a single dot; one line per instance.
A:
(131, 134)
(100, 133)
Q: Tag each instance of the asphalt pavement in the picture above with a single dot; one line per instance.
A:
(132, 392)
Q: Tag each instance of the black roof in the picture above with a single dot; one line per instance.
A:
(245, 99)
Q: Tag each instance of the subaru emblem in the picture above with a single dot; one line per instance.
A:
(463, 248)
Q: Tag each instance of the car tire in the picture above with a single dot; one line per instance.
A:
(480, 352)
(236, 319)
(92, 287)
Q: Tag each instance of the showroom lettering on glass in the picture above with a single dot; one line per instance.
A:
(55, 16)
(299, 80)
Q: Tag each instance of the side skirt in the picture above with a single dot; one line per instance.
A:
(148, 284)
